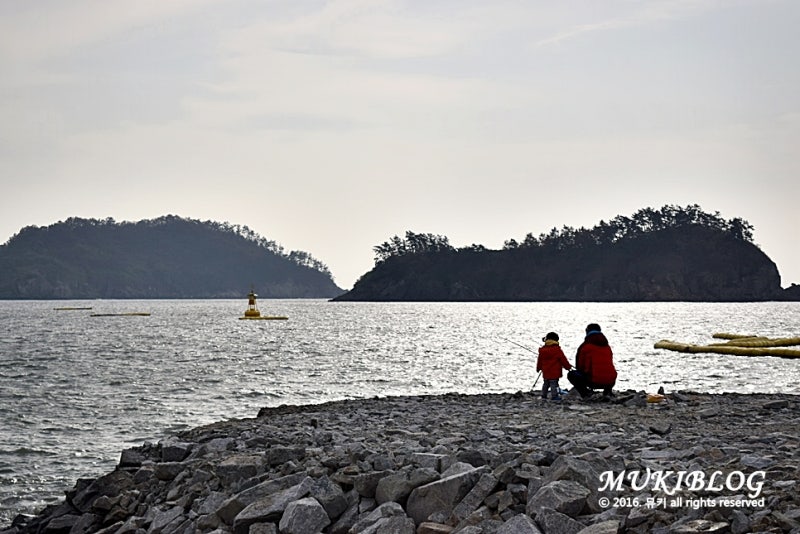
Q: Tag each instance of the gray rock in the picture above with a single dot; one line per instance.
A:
(708, 413)
(638, 516)
(237, 467)
(164, 518)
(232, 506)
(216, 445)
(210, 503)
(565, 496)
(398, 486)
(282, 454)
(472, 500)
(519, 524)
(434, 528)
(756, 462)
(740, 523)
(697, 526)
(427, 459)
(304, 516)
(552, 521)
(330, 496)
(367, 483)
(786, 522)
(168, 470)
(442, 495)
(391, 525)
(346, 521)
(575, 469)
(132, 458)
(605, 527)
(175, 451)
(110, 485)
(85, 524)
(456, 468)
(270, 507)
(386, 510)
(62, 523)
(661, 428)
(775, 404)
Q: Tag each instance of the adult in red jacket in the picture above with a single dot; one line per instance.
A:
(594, 364)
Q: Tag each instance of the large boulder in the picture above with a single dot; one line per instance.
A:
(271, 507)
(398, 486)
(442, 495)
(565, 496)
(305, 516)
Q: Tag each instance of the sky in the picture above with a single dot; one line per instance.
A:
(331, 126)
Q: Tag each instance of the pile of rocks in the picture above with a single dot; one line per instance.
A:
(505, 464)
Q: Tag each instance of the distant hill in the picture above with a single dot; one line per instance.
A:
(167, 257)
(669, 254)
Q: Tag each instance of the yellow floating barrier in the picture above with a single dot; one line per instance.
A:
(127, 314)
(761, 342)
(723, 335)
(725, 348)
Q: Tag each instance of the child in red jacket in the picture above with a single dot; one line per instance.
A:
(550, 362)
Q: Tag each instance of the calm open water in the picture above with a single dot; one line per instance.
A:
(75, 390)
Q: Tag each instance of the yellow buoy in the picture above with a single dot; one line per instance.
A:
(252, 312)
(252, 309)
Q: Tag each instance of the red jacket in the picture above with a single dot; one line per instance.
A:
(551, 360)
(596, 361)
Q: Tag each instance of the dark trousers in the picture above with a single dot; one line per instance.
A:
(585, 386)
(552, 386)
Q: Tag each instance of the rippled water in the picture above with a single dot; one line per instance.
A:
(75, 390)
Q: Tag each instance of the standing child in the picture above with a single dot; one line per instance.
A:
(550, 362)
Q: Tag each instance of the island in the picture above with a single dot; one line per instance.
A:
(166, 257)
(667, 254)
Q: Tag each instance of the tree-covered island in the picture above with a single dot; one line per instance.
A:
(167, 257)
(668, 254)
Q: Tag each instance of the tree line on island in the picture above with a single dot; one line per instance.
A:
(671, 253)
(166, 257)
(642, 222)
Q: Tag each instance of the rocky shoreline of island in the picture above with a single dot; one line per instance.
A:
(492, 463)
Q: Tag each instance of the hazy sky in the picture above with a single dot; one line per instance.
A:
(332, 126)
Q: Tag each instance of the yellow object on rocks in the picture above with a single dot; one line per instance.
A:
(655, 397)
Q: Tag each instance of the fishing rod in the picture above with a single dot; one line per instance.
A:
(529, 350)
(519, 345)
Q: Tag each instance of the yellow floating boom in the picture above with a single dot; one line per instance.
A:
(724, 335)
(739, 346)
(761, 342)
(126, 314)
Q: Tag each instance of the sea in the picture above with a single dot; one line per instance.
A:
(76, 390)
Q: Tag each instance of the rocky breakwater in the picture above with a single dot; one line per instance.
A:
(504, 463)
